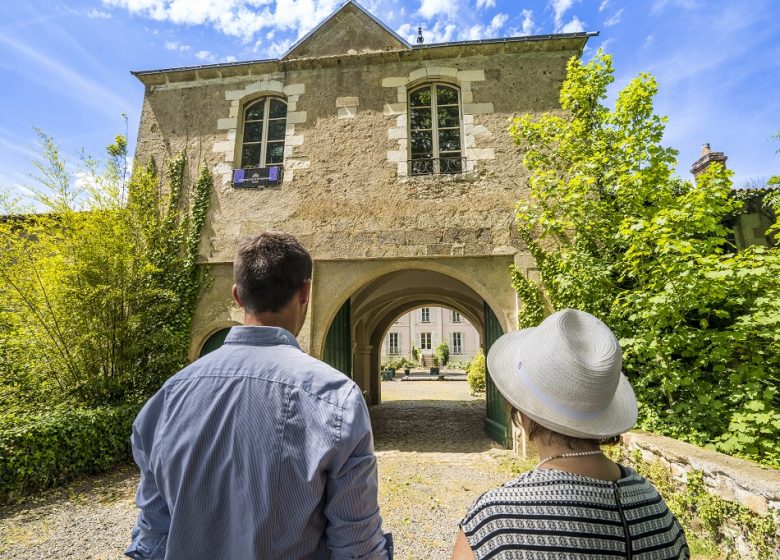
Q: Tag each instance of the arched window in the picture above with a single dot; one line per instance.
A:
(434, 130)
(262, 142)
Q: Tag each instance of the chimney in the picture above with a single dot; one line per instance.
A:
(705, 159)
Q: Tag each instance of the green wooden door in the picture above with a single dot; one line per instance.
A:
(497, 416)
(214, 341)
(338, 343)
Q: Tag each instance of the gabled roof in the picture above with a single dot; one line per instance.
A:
(349, 30)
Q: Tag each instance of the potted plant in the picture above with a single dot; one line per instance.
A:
(435, 368)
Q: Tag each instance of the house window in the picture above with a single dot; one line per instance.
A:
(434, 130)
(457, 343)
(425, 315)
(425, 341)
(455, 317)
(394, 346)
(262, 141)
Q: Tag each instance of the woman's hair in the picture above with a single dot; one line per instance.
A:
(534, 430)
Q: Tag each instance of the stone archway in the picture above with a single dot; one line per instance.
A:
(376, 306)
(372, 307)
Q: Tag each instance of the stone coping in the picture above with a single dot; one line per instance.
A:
(737, 480)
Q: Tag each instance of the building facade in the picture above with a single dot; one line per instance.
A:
(390, 162)
(427, 327)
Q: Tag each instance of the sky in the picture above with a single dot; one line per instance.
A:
(65, 65)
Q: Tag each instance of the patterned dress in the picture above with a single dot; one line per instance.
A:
(548, 514)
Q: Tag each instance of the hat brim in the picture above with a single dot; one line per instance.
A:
(617, 417)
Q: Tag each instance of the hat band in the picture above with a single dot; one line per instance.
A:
(544, 398)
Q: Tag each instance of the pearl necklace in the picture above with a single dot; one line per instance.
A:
(567, 455)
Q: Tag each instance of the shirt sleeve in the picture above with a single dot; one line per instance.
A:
(354, 528)
(149, 536)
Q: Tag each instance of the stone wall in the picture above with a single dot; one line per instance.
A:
(735, 480)
(345, 144)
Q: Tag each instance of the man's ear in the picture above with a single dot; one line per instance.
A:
(237, 299)
(305, 292)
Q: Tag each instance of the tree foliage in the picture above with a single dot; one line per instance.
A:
(614, 232)
(98, 293)
(442, 352)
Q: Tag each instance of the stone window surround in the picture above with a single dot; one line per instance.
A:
(394, 348)
(266, 85)
(426, 341)
(460, 78)
(457, 349)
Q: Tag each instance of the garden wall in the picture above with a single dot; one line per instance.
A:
(737, 481)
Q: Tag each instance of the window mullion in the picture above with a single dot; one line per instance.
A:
(264, 139)
(435, 127)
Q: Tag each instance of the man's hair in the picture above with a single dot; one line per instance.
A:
(269, 269)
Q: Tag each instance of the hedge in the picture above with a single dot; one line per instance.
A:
(42, 450)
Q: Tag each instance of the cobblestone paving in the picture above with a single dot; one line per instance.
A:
(434, 461)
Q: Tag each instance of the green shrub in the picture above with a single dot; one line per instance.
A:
(476, 373)
(41, 450)
(442, 352)
(455, 364)
(396, 363)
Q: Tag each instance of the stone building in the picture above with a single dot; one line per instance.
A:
(391, 162)
(427, 327)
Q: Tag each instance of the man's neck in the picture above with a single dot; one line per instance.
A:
(283, 320)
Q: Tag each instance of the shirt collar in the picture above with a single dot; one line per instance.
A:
(261, 336)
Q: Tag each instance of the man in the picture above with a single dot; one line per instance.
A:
(258, 450)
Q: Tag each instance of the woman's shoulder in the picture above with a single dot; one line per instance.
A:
(541, 486)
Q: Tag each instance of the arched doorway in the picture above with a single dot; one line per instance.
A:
(214, 341)
(369, 312)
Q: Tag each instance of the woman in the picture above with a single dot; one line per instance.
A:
(564, 384)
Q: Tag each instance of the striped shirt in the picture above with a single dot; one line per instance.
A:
(548, 514)
(256, 451)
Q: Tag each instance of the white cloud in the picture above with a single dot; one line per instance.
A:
(490, 31)
(276, 50)
(94, 13)
(560, 7)
(606, 43)
(486, 3)
(603, 5)
(576, 25)
(528, 22)
(660, 5)
(648, 41)
(614, 20)
(441, 32)
(229, 58)
(431, 8)
(205, 56)
(176, 46)
(238, 18)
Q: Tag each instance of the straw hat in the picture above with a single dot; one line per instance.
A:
(566, 375)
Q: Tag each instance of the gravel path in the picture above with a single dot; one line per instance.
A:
(434, 461)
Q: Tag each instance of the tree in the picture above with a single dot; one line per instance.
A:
(775, 180)
(442, 352)
(615, 233)
(98, 293)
